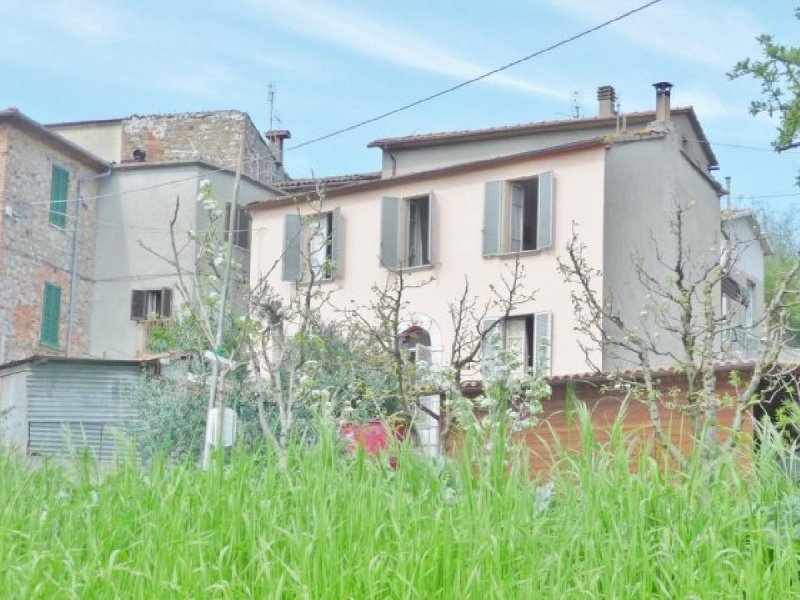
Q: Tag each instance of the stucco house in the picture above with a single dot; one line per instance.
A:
(465, 204)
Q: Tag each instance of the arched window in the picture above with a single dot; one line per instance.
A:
(417, 343)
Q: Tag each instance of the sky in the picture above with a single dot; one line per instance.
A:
(334, 63)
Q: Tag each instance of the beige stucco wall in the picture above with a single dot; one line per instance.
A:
(457, 242)
(101, 139)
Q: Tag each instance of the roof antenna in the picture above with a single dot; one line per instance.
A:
(271, 97)
(576, 104)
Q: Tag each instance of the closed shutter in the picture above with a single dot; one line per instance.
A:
(491, 345)
(292, 247)
(59, 189)
(138, 305)
(544, 218)
(51, 315)
(517, 343)
(542, 342)
(166, 303)
(492, 217)
(336, 242)
(390, 232)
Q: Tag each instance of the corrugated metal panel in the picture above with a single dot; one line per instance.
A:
(72, 406)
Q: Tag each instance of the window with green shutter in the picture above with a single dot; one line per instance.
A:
(51, 315)
(59, 189)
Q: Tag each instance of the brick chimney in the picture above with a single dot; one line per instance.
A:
(606, 98)
(663, 89)
(275, 139)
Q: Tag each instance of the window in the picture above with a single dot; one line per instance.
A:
(527, 338)
(51, 315)
(416, 342)
(59, 190)
(151, 304)
(406, 231)
(241, 227)
(312, 246)
(518, 215)
(750, 304)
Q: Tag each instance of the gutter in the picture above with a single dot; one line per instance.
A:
(73, 261)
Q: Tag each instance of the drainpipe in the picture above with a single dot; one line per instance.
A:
(73, 261)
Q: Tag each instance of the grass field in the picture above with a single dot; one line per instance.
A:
(331, 527)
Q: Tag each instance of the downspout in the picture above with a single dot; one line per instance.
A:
(73, 261)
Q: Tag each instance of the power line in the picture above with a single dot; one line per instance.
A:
(463, 84)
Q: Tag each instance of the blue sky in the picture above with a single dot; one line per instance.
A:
(336, 63)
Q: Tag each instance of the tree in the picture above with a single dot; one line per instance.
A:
(779, 75)
(680, 325)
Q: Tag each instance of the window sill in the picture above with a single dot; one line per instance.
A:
(321, 281)
(429, 267)
(521, 253)
(59, 227)
(49, 346)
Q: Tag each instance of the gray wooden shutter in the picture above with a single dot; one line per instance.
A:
(542, 342)
(137, 305)
(428, 252)
(336, 241)
(390, 232)
(292, 247)
(544, 218)
(491, 344)
(492, 217)
(166, 303)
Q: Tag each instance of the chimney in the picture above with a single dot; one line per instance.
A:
(606, 98)
(662, 100)
(275, 139)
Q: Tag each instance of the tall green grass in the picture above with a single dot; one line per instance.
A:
(326, 526)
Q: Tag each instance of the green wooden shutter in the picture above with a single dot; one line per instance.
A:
(59, 189)
(390, 232)
(492, 217)
(292, 247)
(335, 240)
(51, 315)
(544, 218)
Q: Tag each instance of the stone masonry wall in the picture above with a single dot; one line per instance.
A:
(211, 137)
(33, 251)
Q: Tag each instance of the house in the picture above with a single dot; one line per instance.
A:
(47, 186)
(464, 205)
(86, 212)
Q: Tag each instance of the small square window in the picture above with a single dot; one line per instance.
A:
(151, 304)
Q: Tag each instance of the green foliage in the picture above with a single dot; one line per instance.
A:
(779, 75)
(781, 229)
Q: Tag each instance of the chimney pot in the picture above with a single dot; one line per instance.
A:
(275, 138)
(606, 98)
(663, 92)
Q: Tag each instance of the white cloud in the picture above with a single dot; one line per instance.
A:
(714, 33)
(377, 40)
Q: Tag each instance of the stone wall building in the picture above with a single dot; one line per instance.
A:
(211, 137)
(47, 240)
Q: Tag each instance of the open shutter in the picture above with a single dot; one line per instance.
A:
(517, 208)
(59, 189)
(137, 305)
(51, 315)
(544, 217)
(243, 229)
(390, 232)
(336, 242)
(423, 354)
(542, 342)
(292, 247)
(166, 303)
(492, 217)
